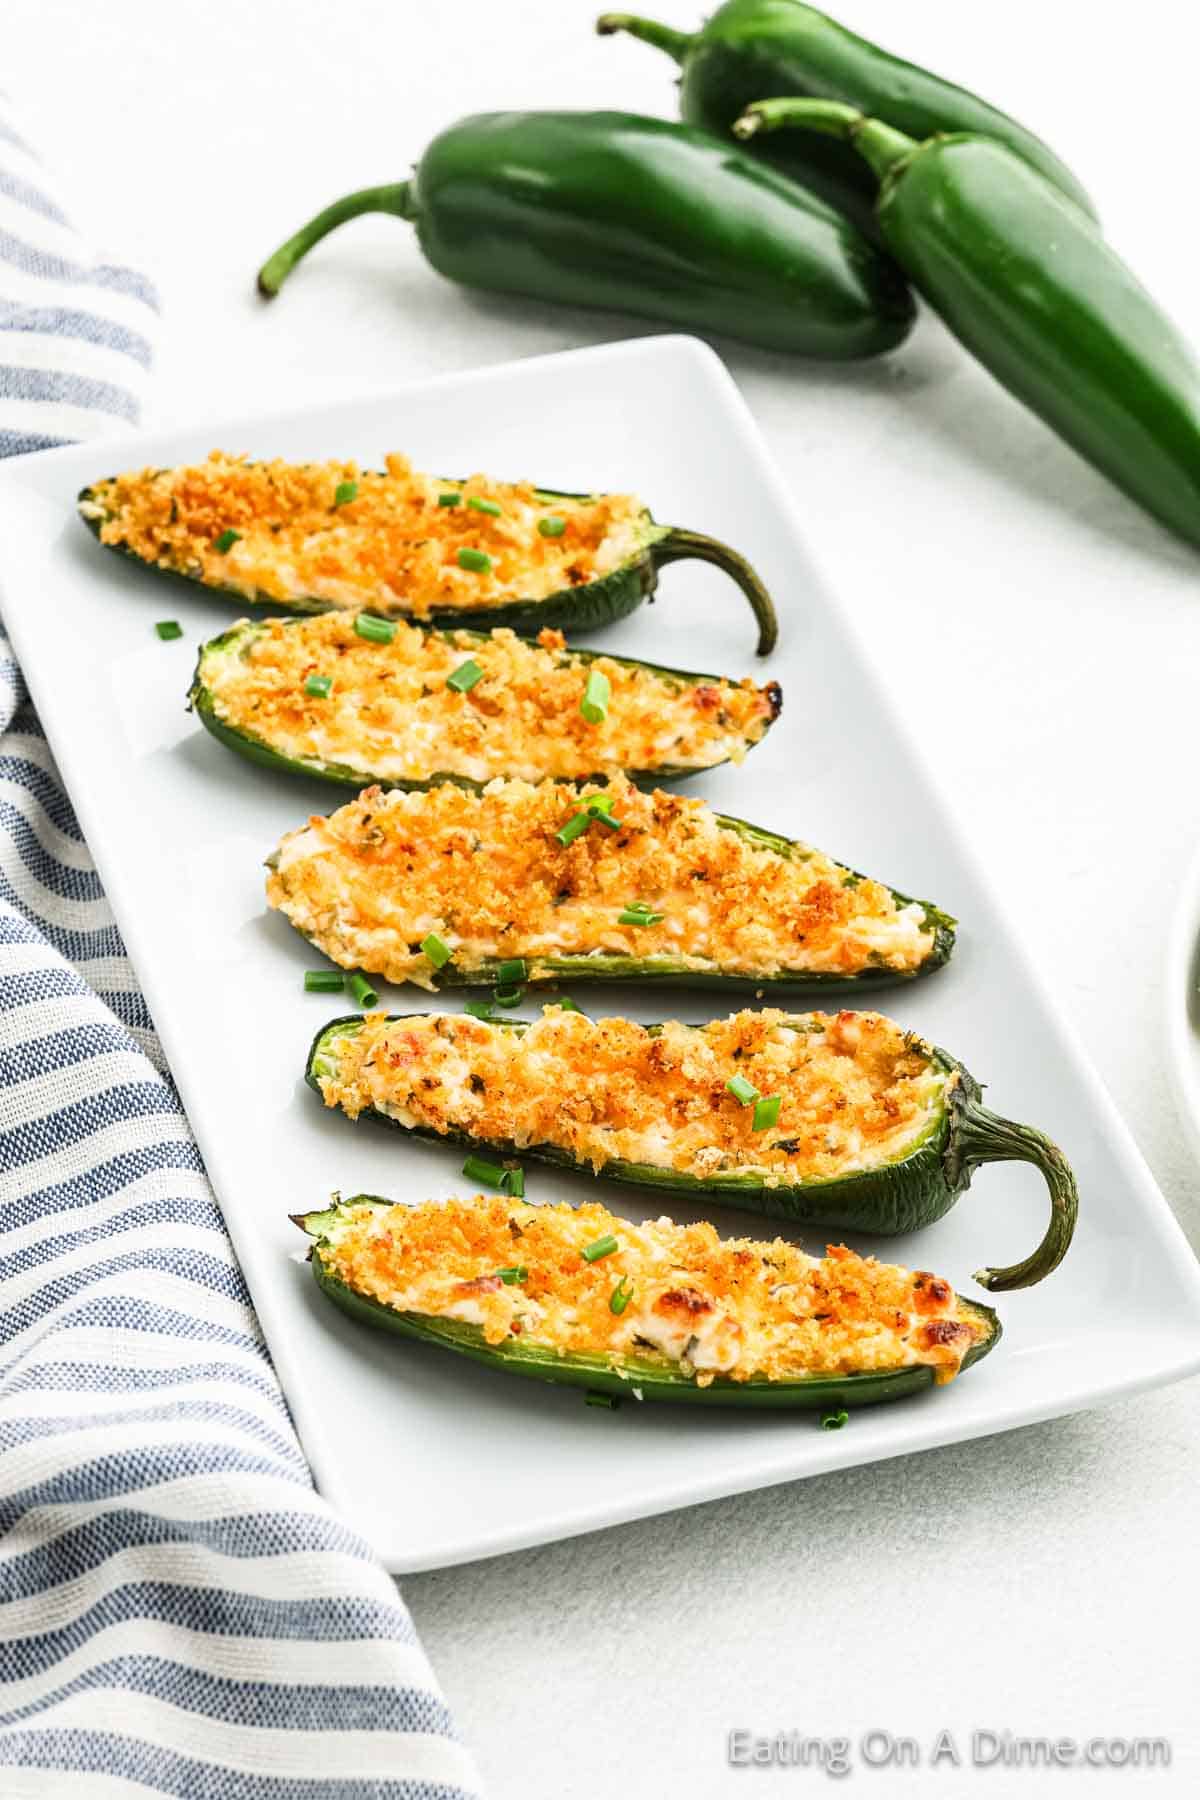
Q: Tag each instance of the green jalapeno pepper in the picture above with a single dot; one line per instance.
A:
(1026, 281)
(641, 215)
(753, 47)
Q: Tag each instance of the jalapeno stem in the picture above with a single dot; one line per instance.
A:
(883, 147)
(678, 545)
(979, 1136)
(663, 37)
(395, 198)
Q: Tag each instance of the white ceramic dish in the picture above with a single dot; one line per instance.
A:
(1181, 988)
(436, 1461)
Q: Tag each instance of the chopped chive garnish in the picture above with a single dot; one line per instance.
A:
(168, 629)
(566, 1004)
(485, 506)
(575, 827)
(743, 1091)
(621, 1295)
(477, 560)
(319, 686)
(488, 1174)
(346, 492)
(436, 949)
(364, 994)
(605, 818)
(376, 631)
(596, 696)
(514, 1183)
(227, 540)
(516, 1275)
(465, 676)
(833, 1421)
(449, 499)
(600, 804)
(511, 971)
(766, 1112)
(480, 1009)
(603, 1246)
(638, 913)
(323, 981)
(508, 996)
(593, 1397)
(552, 525)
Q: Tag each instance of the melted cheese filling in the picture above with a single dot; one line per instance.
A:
(390, 714)
(701, 1305)
(856, 1091)
(488, 874)
(390, 546)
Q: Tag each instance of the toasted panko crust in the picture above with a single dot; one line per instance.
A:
(856, 1090)
(699, 1304)
(391, 715)
(391, 548)
(487, 874)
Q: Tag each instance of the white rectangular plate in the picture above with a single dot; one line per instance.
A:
(436, 1460)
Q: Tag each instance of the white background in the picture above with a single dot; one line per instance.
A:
(1047, 639)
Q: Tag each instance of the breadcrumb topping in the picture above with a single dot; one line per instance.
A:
(697, 1304)
(390, 714)
(279, 531)
(488, 874)
(856, 1091)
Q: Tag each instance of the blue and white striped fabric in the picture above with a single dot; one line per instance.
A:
(180, 1613)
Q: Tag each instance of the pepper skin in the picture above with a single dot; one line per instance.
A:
(642, 216)
(753, 47)
(1029, 285)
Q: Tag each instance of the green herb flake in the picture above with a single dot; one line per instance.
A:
(436, 949)
(566, 1004)
(485, 506)
(743, 1091)
(481, 1009)
(514, 1183)
(833, 1421)
(226, 541)
(508, 997)
(319, 687)
(168, 629)
(449, 499)
(516, 1275)
(514, 969)
(601, 1247)
(376, 631)
(552, 525)
(478, 561)
(345, 492)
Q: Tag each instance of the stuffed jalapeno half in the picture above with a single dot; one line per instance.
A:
(835, 1119)
(652, 1312)
(325, 537)
(525, 883)
(354, 699)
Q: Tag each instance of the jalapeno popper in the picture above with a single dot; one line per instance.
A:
(323, 537)
(654, 1312)
(524, 883)
(355, 699)
(840, 1119)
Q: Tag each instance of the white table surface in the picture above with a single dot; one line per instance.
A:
(1048, 638)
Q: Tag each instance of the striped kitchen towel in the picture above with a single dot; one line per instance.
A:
(180, 1613)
